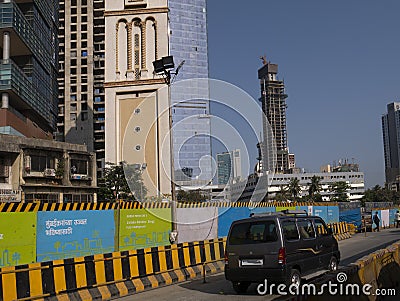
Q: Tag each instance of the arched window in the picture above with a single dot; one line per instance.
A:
(151, 41)
(121, 47)
(136, 47)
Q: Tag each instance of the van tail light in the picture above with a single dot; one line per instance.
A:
(282, 256)
(226, 257)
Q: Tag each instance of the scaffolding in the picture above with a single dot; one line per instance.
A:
(274, 106)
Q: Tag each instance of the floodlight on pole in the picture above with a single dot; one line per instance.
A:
(165, 66)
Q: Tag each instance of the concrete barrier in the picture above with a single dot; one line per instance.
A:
(103, 276)
(380, 270)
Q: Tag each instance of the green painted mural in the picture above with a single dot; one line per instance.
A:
(284, 208)
(144, 228)
(17, 238)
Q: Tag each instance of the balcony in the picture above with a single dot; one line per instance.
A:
(24, 40)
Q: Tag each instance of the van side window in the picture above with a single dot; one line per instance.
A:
(252, 233)
(306, 229)
(321, 227)
(290, 230)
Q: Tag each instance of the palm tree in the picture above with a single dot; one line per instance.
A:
(294, 188)
(314, 187)
(282, 195)
(339, 191)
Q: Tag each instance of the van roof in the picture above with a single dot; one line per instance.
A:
(283, 212)
(272, 216)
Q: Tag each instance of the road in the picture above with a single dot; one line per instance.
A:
(217, 288)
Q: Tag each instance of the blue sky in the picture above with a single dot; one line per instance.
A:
(340, 63)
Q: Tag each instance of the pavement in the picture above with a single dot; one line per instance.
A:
(217, 288)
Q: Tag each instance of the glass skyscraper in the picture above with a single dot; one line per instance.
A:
(28, 70)
(191, 108)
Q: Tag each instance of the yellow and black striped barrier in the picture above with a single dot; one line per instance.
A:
(44, 206)
(103, 276)
(340, 230)
(39, 206)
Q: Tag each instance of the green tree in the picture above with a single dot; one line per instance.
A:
(339, 191)
(380, 194)
(114, 184)
(314, 187)
(190, 196)
(282, 195)
(133, 174)
(294, 188)
(60, 168)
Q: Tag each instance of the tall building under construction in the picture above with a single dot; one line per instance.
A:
(275, 151)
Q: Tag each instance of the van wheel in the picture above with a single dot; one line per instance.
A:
(240, 287)
(333, 264)
(295, 278)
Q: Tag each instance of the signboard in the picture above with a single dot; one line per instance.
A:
(332, 214)
(144, 228)
(321, 211)
(17, 238)
(67, 234)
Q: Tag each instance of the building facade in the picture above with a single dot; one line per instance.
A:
(265, 187)
(190, 100)
(81, 96)
(81, 117)
(229, 167)
(273, 102)
(35, 169)
(28, 69)
(137, 100)
(391, 144)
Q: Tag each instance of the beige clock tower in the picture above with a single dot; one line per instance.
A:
(137, 101)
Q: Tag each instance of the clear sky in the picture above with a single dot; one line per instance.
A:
(340, 63)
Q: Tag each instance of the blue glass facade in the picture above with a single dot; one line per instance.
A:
(29, 74)
(191, 123)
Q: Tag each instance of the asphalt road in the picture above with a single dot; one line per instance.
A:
(217, 288)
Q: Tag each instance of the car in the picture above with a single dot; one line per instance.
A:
(278, 247)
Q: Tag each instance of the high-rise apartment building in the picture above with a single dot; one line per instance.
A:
(81, 116)
(229, 168)
(391, 144)
(28, 69)
(273, 99)
(191, 107)
(81, 97)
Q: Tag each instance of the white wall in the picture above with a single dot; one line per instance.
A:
(195, 224)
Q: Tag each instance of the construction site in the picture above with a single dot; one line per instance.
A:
(273, 99)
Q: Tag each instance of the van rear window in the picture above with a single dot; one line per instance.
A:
(252, 233)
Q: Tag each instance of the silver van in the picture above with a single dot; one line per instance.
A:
(278, 247)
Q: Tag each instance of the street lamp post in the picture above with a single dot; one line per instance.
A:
(164, 66)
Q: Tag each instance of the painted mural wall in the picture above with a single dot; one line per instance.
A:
(144, 228)
(27, 237)
(67, 234)
(17, 238)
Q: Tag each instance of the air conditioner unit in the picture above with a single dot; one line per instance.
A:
(49, 172)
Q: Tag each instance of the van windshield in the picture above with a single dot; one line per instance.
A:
(253, 232)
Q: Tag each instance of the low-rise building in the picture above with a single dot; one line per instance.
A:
(258, 188)
(36, 169)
